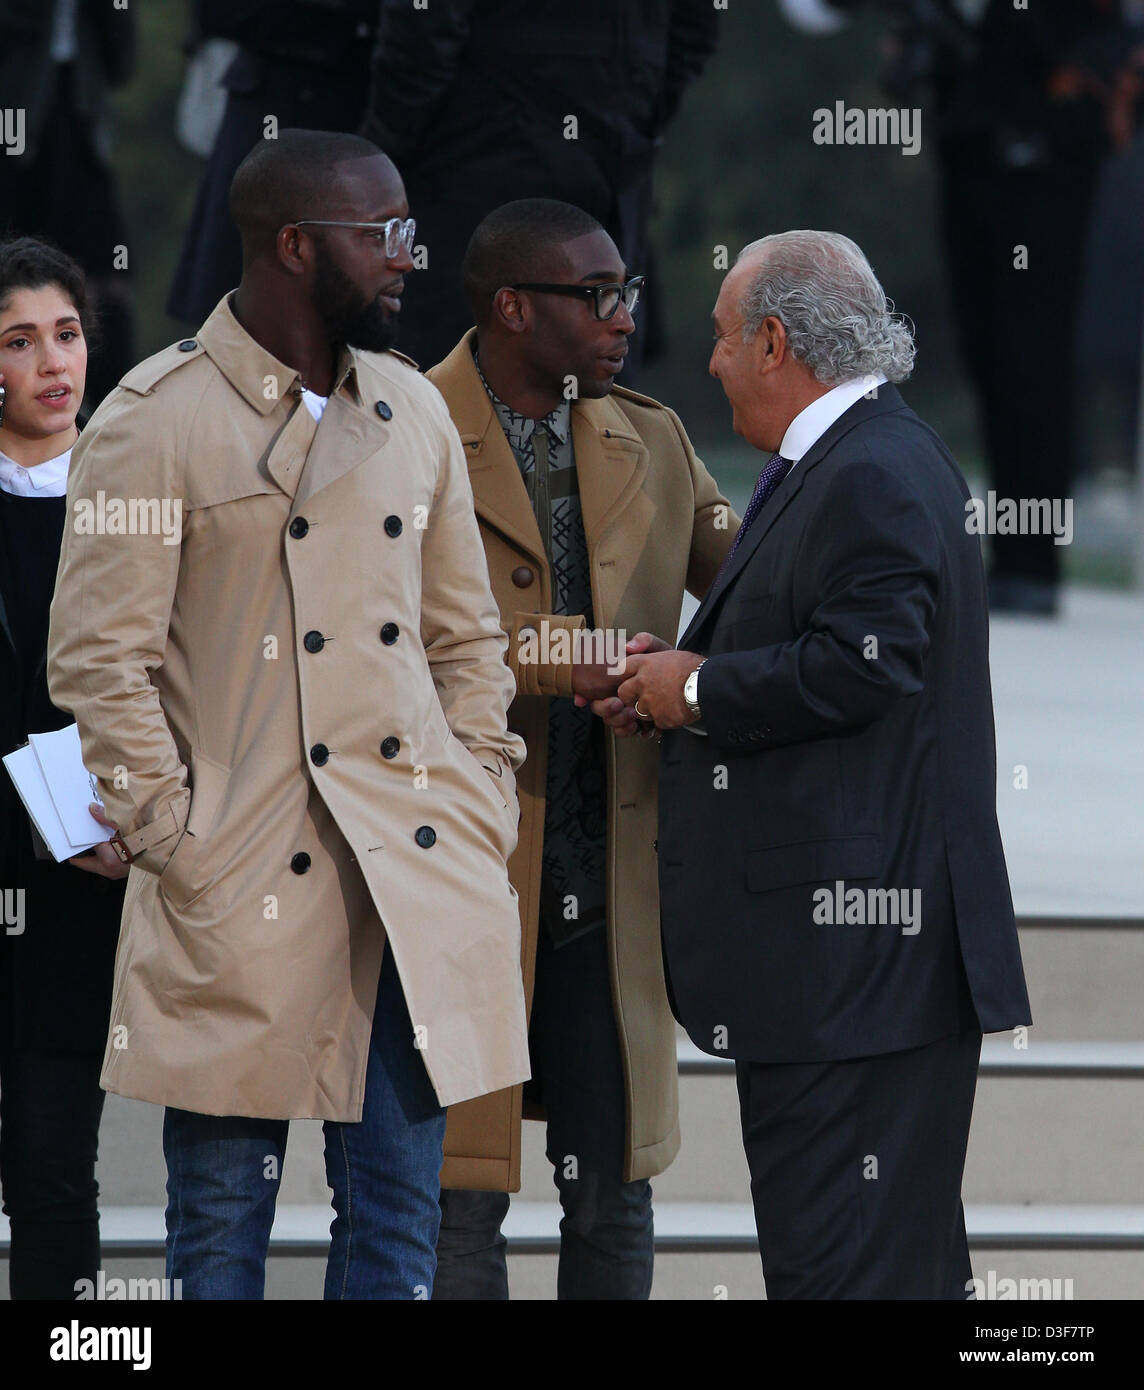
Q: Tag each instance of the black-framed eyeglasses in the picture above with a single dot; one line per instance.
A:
(606, 299)
(398, 233)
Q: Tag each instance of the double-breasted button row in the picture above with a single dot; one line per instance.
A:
(392, 525)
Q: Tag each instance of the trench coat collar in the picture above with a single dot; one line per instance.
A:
(611, 459)
(249, 367)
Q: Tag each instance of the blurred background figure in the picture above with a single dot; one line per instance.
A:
(55, 973)
(1027, 104)
(481, 102)
(58, 58)
(304, 63)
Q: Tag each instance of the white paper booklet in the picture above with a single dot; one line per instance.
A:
(56, 790)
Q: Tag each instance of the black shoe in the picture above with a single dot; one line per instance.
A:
(1017, 593)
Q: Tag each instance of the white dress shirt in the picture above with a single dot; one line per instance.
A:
(809, 425)
(47, 479)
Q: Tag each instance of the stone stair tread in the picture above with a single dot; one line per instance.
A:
(709, 1226)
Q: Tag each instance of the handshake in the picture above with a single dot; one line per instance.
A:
(647, 692)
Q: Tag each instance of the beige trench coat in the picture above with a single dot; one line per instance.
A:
(297, 711)
(655, 524)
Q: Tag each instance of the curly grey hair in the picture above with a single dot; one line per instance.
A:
(838, 320)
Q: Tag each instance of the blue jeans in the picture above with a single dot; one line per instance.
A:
(223, 1174)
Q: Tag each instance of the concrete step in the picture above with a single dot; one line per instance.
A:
(1075, 1274)
(1084, 981)
(1052, 1123)
(680, 1227)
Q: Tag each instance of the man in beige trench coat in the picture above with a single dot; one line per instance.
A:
(594, 512)
(294, 702)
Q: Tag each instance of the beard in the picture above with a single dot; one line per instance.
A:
(347, 317)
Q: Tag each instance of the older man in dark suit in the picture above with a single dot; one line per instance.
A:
(835, 907)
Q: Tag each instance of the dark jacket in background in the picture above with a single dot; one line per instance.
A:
(105, 58)
(55, 977)
(307, 64)
(470, 99)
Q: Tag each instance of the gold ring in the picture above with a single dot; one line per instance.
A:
(641, 713)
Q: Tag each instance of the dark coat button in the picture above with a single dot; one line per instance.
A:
(393, 526)
(383, 410)
(390, 633)
(313, 641)
(522, 576)
(426, 836)
(298, 527)
(390, 747)
(188, 345)
(319, 755)
(300, 863)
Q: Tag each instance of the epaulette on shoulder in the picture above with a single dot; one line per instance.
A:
(629, 395)
(401, 357)
(152, 370)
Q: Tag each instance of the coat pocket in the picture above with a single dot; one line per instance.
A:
(192, 868)
(502, 814)
(814, 861)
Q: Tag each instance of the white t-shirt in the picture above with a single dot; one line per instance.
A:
(315, 404)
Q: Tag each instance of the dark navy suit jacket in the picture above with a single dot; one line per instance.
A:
(850, 742)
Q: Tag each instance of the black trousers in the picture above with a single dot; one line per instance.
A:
(607, 1241)
(50, 1107)
(1018, 328)
(856, 1171)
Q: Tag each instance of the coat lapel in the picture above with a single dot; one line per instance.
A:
(5, 628)
(888, 399)
(611, 462)
(344, 438)
(499, 494)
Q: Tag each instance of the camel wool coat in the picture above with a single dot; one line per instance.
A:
(656, 524)
(295, 707)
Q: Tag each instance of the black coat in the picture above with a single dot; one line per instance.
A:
(470, 99)
(105, 57)
(55, 977)
(841, 765)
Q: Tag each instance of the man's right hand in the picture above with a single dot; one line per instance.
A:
(621, 718)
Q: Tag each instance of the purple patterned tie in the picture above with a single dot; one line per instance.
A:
(773, 473)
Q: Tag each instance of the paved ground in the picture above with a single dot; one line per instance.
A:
(1069, 698)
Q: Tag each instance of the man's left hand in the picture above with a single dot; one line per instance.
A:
(654, 687)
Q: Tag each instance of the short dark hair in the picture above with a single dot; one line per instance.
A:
(516, 242)
(27, 263)
(288, 177)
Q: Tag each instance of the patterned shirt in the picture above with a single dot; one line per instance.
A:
(573, 885)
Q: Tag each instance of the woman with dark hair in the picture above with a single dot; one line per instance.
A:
(57, 946)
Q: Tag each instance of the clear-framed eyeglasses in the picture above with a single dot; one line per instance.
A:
(397, 233)
(606, 299)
